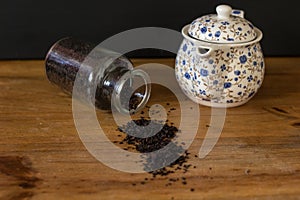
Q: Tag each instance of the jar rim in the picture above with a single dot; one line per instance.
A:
(116, 97)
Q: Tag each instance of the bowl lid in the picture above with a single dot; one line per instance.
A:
(227, 26)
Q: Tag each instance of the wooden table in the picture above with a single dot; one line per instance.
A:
(42, 157)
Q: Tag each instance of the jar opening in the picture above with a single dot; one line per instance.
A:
(132, 92)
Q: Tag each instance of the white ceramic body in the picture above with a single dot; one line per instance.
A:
(224, 75)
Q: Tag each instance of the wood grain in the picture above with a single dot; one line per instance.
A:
(42, 157)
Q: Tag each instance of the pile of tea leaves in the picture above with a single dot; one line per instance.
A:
(157, 141)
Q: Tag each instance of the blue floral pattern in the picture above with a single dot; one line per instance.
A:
(218, 34)
(184, 48)
(243, 59)
(227, 85)
(203, 72)
(226, 76)
(203, 30)
(187, 75)
(223, 67)
(237, 12)
(237, 72)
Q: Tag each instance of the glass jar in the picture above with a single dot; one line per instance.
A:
(105, 78)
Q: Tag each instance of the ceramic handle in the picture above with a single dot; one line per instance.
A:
(238, 13)
(204, 51)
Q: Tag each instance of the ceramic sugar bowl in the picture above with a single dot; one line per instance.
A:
(220, 61)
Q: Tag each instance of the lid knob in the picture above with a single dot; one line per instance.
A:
(224, 11)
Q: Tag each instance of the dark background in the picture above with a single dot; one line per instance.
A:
(30, 27)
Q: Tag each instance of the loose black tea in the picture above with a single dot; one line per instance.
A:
(148, 144)
(70, 60)
(156, 142)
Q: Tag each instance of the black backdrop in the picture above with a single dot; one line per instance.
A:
(29, 27)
